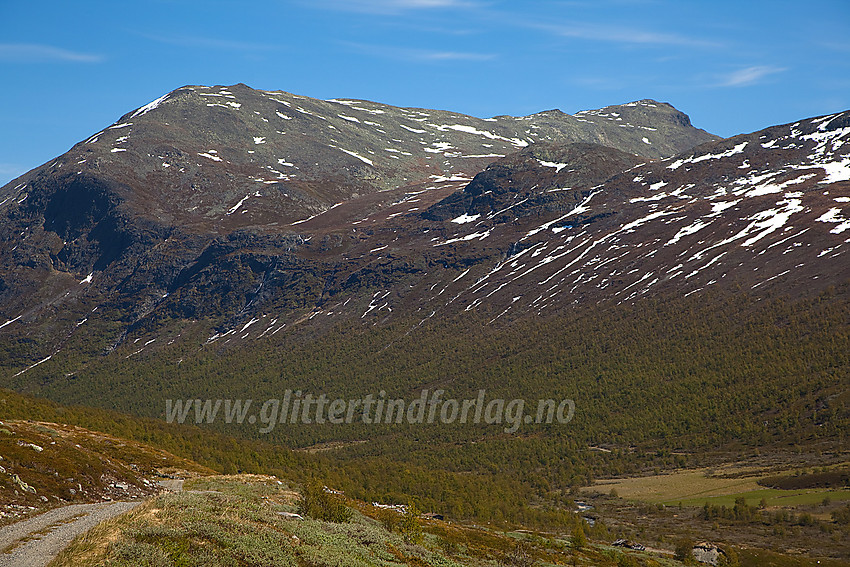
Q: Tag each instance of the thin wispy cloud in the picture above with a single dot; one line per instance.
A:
(623, 35)
(611, 83)
(835, 45)
(425, 55)
(749, 76)
(417, 55)
(391, 6)
(10, 171)
(40, 53)
(211, 43)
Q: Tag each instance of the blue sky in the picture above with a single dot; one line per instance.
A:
(70, 68)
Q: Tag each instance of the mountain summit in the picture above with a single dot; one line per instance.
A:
(240, 211)
(213, 159)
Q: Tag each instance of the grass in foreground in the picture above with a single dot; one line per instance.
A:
(238, 520)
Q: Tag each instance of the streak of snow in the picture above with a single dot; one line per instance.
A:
(249, 323)
(643, 220)
(464, 218)
(474, 235)
(768, 188)
(227, 104)
(235, 207)
(656, 197)
(706, 265)
(150, 106)
(836, 171)
(833, 215)
(509, 207)
(770, 279)
(580, 208)
(687, 230)
(373, 304)
(680, 162)
(460, 276)
(33, 366)
(558, 166)
(441, 178)
(472, 130)
(720, 206)
(769, 220)
(10, 321)
(353, 154)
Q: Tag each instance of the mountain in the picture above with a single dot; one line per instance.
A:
(688, 293)
(176, 241)
(764, 210)
(140, 216)
(236, 157)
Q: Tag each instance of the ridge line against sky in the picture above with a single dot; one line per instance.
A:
(733, 67)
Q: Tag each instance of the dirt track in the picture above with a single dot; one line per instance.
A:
(36, 541)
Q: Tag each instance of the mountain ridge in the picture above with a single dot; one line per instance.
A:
(91, 278)
(337, 156)
(144, 202)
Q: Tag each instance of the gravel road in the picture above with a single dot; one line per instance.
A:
(44, 536)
